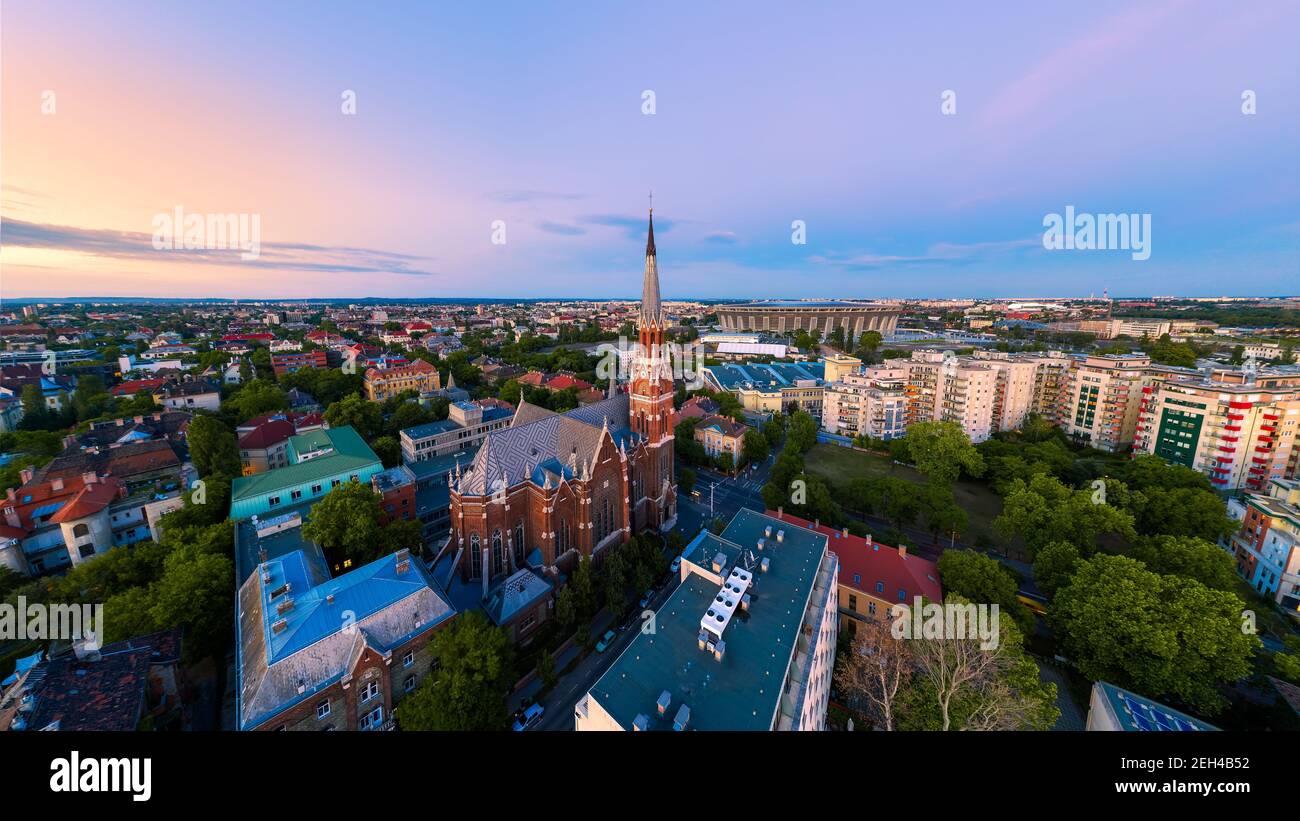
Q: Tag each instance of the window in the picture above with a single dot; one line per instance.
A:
(81, 530)
(476, 558)
(322, 709)
(880, 587)
(497, 558)
(86, 550)
(315, 489)
(853, 603)
(274, 500)
(408, 659)
(372, 720)
(295, 494)
(519, 544)
(409, 684)
(370, 690)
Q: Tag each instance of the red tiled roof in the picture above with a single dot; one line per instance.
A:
(534, 378)
(873, 562)
(267, 434)
(564, 381)
(91, 499)
(133, 386)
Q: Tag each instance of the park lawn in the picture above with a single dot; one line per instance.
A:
(839, 465)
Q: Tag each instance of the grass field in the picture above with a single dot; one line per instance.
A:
(839, 465)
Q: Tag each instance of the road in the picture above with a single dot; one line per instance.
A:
(559, 703)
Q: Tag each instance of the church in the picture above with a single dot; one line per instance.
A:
(555, 486)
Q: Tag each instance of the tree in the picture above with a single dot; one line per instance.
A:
(388, 450)
(774, 430)
(872, 672)
(756, 448)
(942, 513)
(346, 523)
(983, 580)
(868, 344)
(942, 450)
(546, 670)
(361, 414)
(962, 683)
(1044, 510)
(213, 447)
(256, 397)
(1182, 511)
(1187, 556)
(1162, 636)
(726, 462)
(197, 593)
(1054, 565)
(801, 432)
(614, 581)
(685, 481)
(467, 691)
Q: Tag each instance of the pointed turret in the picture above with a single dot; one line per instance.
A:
(651, 313)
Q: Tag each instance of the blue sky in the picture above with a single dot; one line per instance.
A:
(764, 114)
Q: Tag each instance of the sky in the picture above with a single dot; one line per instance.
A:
(505, 150)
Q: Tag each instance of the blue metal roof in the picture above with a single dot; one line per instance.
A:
(360, 593)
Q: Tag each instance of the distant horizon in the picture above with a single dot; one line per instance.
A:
(129, 300)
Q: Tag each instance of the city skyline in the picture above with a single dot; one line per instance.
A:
(534, 119)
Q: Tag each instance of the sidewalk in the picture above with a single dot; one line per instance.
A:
(568, 652)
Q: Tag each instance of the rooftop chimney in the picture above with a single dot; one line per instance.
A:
(56, 484)
(665, 699)
(89, 477)
(403, 561)
(902, 551)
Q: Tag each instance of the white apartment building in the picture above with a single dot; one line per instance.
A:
(948, 388)
(871, 403)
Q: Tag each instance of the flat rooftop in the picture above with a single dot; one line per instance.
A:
(743, 691)
(770, 377)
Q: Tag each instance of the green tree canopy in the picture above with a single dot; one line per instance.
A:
(1161, 636)
(467, 690)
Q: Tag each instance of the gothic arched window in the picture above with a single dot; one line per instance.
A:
(519, 544)
(476, 557)
(496, 552)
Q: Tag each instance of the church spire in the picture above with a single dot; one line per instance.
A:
(651, 313)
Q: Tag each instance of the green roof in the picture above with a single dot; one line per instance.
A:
(351, 453)
(741, 692)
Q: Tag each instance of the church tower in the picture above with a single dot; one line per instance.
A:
(650, 403)
(651, 407)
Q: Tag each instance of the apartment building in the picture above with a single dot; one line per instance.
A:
(385, 383)
(872, 403)
(1013, 389)
(1101, 398)
(1051, 376)
(702, 668)
(465, 427)
(943, 387)
(1267, 547)
(719, 435)
(1239, 433)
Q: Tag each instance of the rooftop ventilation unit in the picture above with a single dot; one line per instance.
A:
(719, 650)
(726, 601)
(761, 543)
(719, 562)
(641, 723)
(665, 699)
(780, 536)
(765, 564)
(278, 626)
(767, 531)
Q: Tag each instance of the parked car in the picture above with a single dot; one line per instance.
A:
(605, 641)
(529, 718)
(676, 565)
(645, 600)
